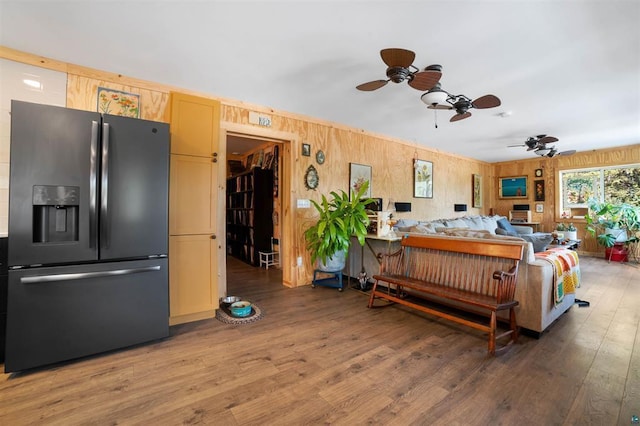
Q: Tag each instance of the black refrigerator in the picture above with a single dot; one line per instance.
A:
(88, 234)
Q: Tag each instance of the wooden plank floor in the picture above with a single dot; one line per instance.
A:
(319, 356)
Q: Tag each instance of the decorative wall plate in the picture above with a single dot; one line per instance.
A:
(311, 178)
(320, 157)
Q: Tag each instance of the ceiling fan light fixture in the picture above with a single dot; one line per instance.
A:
(543, 151)
(435, 97)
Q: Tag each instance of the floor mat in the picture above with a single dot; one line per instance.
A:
(224, 315)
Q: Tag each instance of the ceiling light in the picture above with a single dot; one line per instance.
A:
(435, 97)
(543, 151)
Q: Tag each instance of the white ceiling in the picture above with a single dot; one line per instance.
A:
(569, 69)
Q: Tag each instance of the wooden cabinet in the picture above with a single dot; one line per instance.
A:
(193, 268)
(193, 200)
(195, 125)
(250, 214)
(191, 195)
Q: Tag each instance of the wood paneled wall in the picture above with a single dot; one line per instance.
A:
(551, 167)
(391, 159)
(392, 172)
(82, 93)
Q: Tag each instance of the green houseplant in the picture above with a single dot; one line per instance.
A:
(340, 219)
(617, 226)
(614, 222)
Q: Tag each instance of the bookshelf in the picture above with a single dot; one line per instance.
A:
(249, 214)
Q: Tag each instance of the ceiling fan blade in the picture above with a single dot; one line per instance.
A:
(372, 85)
(513, 146)
(397, 57)
(486, 101)
(459, 117)
(569, 152)
(425, 80)
(547, 139)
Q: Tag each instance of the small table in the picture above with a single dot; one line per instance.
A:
(571, 244)
(363, 277)
(334, 281)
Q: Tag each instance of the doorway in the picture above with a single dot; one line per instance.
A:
(245, 153)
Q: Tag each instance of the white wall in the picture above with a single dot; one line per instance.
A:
(52, 91)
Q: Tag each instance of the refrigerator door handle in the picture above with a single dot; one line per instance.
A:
(104, 201)
(85, 275)
(93, 186)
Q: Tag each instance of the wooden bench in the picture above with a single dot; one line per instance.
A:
(480, 274)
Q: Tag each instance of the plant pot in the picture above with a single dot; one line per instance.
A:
(617, 253)
(620, 234)
(571, 235)
(334, 263)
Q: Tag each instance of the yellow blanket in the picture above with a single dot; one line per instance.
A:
(566, 271)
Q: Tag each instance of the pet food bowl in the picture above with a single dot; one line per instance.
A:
(241, 308)
(230, 299)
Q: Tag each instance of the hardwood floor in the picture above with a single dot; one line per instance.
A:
(319, 356)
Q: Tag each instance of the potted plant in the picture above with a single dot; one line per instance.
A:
(340, 219)
(617, 225)
(571, 233)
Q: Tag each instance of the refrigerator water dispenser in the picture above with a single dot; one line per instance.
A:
(55, 213)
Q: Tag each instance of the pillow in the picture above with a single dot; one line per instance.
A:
(403, 223)
(500, 231)
(540, 241)
(423, 229)
(434, 223)
(475, 222)
(490, 223)
(505, 225)
(456, 223)
(466, 232)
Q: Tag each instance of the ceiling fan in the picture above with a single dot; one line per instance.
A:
(538, 144)
(400, 68)
(437, 98)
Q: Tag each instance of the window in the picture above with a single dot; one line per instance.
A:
(618, 184)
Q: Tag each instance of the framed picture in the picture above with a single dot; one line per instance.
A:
(512, 187)
(423, 179)
(477, 191)
(358, 175)
(306, 150)
(539, 189)
(539, 208)
(115, 102)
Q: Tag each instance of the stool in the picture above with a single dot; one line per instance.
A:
(270, 258)
(334, 282)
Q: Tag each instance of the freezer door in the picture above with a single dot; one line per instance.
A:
(134, 195)
(61, 313)
(52, 190)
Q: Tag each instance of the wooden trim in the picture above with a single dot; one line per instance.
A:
(41, 61)
(288, 238)
(479, 247)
